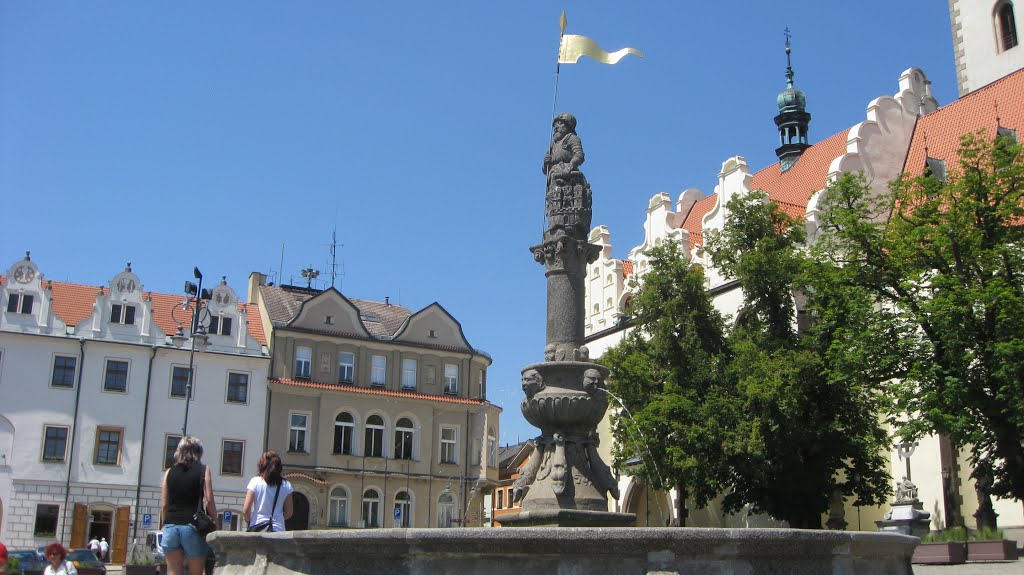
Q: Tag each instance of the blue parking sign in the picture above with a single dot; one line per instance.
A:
(398, 512)
(147, 520)
(227, 518)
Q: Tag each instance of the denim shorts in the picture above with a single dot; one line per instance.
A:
(184, 538)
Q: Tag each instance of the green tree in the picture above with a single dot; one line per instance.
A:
(811, 425)
(949, 262)
(667, 375)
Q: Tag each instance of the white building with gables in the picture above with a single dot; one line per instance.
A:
(93, 400)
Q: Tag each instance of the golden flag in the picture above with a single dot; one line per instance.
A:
(573, 47)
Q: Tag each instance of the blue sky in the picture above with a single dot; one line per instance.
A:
(211, 134)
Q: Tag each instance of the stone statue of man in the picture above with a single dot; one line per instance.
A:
(566, 151)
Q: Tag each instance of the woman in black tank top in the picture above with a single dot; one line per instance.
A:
(186, 483)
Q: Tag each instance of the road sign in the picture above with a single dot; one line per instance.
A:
(147, 520)
(398, 512)
(227, 518)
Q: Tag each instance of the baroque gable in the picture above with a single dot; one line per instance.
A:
(332, 312)
(433, 326)
(27, 300)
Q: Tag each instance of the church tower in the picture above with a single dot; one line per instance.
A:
(986, 45)
(792, 120)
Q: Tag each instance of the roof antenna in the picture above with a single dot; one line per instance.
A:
(310, 274)
(333, 265)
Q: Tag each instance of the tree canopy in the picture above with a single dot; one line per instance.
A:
(811, 426)
(945, 261)
(667, 373)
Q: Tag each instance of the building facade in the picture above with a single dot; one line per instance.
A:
(502, 499)
(92, 403)
(380, 414)
(903, 133)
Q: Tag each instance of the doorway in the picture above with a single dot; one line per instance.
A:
(300, 513)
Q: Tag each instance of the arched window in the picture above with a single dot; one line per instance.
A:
(1007, 26)
(445, 509)
(492, 448)
(373, 445)
(344, 429)
(403, 509)
(403, 438)
(371, 508)
(339, 507)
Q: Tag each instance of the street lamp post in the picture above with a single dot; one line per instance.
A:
(194, 304)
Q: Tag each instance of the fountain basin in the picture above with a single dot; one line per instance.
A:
(538, 550)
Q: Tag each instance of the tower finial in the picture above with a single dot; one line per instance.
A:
(789, 61)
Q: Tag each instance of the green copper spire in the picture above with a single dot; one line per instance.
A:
(793, 118)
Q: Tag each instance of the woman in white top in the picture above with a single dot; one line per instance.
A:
(56, 554)
(260, 509)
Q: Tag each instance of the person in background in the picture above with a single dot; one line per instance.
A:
(3, 559)
(94, 546)
(104, 550)
(56, 554)
(262, 491)
(186, 483)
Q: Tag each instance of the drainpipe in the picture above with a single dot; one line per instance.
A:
(465, 469)
(142, 445)
(71, 441)
(430, 468)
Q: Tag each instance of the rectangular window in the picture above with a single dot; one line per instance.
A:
(231, 457)
(501, 499)
(346, 367)
(122, 313)
(116, 376)
(108, 446)
(63, 371)
(408, 374)
(448, 439)
(482, 382)
(46, 520)
(451, 378)
(378, 370)
(298, 424)
(238, 387)
(55, 443)
(19, 303)
(220, 325)
(170, 446)
(179, 382)
(303, 361)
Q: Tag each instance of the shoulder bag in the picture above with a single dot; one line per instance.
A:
(203, 523)
(267, 524)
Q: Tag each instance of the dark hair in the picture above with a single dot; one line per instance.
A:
(55, 548)
(270, 467)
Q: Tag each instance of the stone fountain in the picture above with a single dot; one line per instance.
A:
(565, 482)
(564, 526)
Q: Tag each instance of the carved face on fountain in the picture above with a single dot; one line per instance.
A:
(532, 383)
(591, 381)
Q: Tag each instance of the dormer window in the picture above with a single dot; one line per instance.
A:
(220, 325)
(935, 168)
(122, 313)
(1002, 132)
(19, 303)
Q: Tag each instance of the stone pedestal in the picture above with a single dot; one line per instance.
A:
(906, 518)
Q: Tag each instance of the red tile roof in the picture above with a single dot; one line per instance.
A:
(377, 391)
(627, 269)
(790, 189)
(73, 303)
(940, 131)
